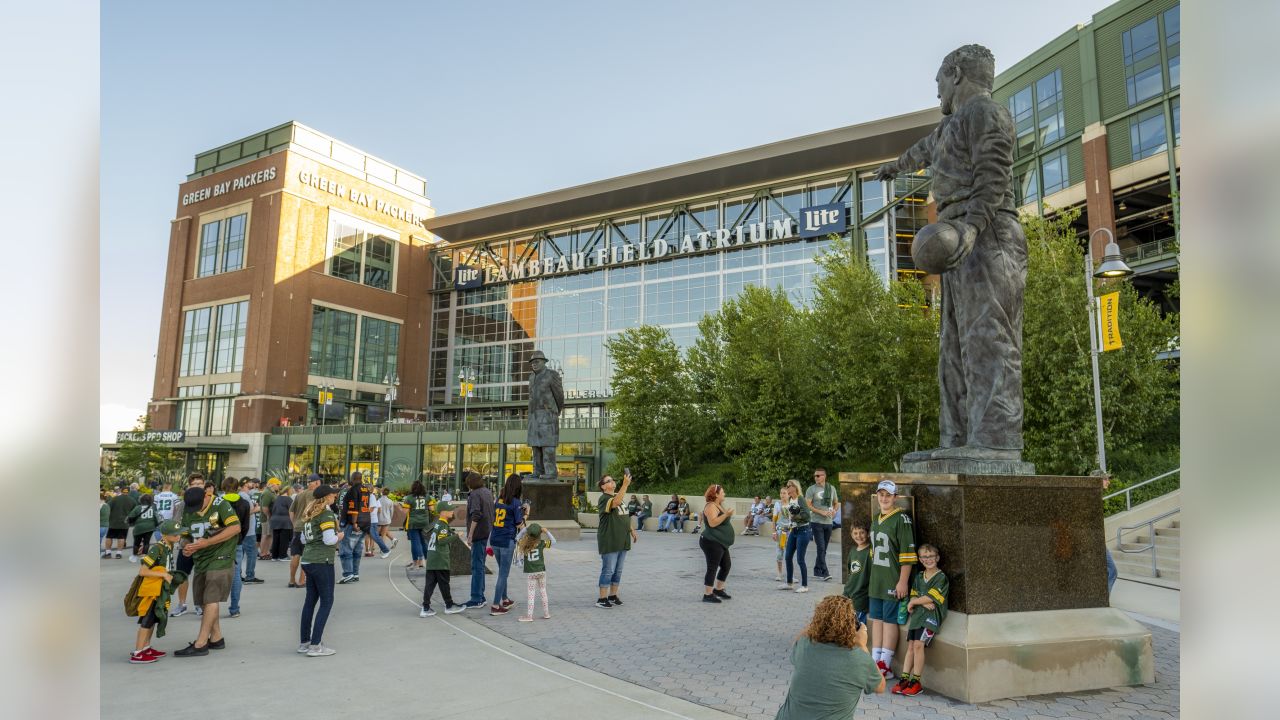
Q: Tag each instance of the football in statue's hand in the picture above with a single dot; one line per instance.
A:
(934, 246)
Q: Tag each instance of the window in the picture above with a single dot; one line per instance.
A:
(1050, 116)
(228, 341)
(195, 342)
(1177, 128)
(333, 340)
(1054, 170)
(190, 412)
(222, 245)
(1027, 185)
(1024, 121)
(1172, 42)
(1142, 74)
(379, 345)
(1146, 133)
(362, 253)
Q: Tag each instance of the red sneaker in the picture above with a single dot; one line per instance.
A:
(897, 688)
(915, 688)
(155, 653)
(884, 669)
(508, 603)
(141, 658)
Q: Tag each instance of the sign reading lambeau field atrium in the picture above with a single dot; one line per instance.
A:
(815, 221)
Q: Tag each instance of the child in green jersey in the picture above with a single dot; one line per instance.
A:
(440, 537)
(855, 588)
(928, 607)
(320, 538)
(531, 548)
(154, 569)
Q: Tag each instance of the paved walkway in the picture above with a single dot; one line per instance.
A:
(664, 654)
(734, 656)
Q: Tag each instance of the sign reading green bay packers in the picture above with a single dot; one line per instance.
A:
(466, 276)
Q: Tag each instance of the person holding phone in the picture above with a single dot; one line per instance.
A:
(614, 537)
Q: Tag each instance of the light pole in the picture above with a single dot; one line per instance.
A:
(1113, 266)
(392, 381)
(466, 380)
(326, 399)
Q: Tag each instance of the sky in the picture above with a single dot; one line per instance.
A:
(489, 101)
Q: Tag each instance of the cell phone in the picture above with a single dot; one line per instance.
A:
(626, 471)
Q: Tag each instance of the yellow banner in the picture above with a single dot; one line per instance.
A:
(1109, 321)
(464, 390)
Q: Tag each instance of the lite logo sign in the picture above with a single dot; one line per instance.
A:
(815, 221)
(822, 220)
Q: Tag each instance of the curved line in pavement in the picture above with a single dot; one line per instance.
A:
(527, 661)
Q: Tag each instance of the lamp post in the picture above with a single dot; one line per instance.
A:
(392, 381)
(326, 399)
(1113, 266)
(466, 381)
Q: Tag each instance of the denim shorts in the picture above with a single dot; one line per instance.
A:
(884, 609)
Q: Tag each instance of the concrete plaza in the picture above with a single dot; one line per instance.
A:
(663, 654)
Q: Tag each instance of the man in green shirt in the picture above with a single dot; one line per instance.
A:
(613, 539)
(215, 528)
(822, 500)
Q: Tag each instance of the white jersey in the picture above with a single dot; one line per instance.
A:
(165, 502)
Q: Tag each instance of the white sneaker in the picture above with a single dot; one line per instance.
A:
(777, 578)
(386, 555)
(426, 612)
(133, 558)
(320, 651)
(394, 542)
(786, 586)
(454, 609)
(182, 610)
(199, 611)
(803, 588)
(304, 648)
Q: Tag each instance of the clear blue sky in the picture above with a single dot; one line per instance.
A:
(490, 101)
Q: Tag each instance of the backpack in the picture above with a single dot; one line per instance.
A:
(131, 599)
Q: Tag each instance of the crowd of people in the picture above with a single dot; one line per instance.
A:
(206, 543)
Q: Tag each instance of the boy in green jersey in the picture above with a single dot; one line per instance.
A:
(893, 552)
(439, 539)
(531, 546)
(154, 568)
(215, 529)
(855, 588)
(928, 608)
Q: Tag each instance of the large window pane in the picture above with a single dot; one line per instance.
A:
(379, 256)
(379, 345)
(207, 262)
(1022, 108)
(333, 337)
(1142, 62)
(233, 243)
(1146, 133)
(1049, 108)
(220, 416)
(345, 262)
(1055, 171)
(229, 344)
(195, 342)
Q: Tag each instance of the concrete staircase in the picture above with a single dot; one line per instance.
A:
(1167, 538)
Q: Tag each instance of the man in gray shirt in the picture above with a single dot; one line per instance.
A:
(822, 500)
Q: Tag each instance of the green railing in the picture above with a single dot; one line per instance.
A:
(1150, 251)
(436, 426)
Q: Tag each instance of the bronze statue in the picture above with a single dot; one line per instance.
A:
(979, 248)
(546, 400)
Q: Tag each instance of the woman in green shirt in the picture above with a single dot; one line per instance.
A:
(832, 669)
(320, 539)
(715, 542)
(613, 539)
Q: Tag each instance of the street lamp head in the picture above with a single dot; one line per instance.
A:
(1113, 264)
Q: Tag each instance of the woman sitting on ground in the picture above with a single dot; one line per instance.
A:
(831, 667)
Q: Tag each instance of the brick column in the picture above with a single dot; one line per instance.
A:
(1099, 203)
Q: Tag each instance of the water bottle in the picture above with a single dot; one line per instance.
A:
(902, 612)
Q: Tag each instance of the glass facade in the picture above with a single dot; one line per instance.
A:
(361, 252)
(717, 248)
(213, 339)
(206, 409)
(221, 245)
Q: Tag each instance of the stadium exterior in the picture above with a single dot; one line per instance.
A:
(385, 288)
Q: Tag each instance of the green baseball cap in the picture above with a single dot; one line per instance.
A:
(443, 506)
(169, 527)
(534, 530)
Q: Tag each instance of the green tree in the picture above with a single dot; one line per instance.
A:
(876, 362)
(657, 427)
(143, 461)
(754, 366)
(1139, 390)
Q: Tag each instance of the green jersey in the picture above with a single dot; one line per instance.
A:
(419, 511)
(893, 544)
(439, 537)
(314, 551)
(936, 589)
(143, 519)
(104, 514)
(535, 561)
(855, 588)
(615, 527)
(158, 557)
(207, 524)
(265, 499)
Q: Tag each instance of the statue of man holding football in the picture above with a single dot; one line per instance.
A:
(979, 249)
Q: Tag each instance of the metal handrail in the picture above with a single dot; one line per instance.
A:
(1150, 525)
(1127, 492)
(572, 423)
(1147, 251)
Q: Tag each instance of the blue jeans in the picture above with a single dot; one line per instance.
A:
(319, 587)
(821, 536)
(236, 584)
(665, 520)
(640, 521)
(477, 571)
(102, 537)
(1111, 570)
(247, 554)
(417, 546)
(504, 556)
(798, 541)
(611, 568)
(678, 522)
(351, 549)
(376, 536)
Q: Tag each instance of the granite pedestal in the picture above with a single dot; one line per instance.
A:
(551, 506)
(1028, 604)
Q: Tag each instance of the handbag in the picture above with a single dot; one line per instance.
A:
(131, 599)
